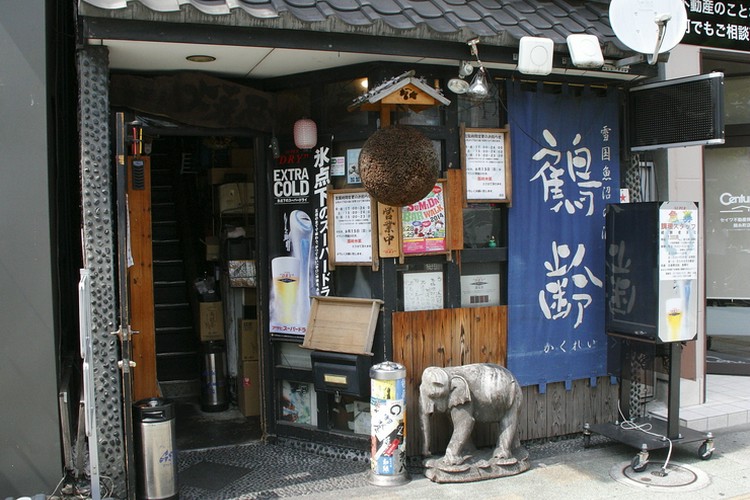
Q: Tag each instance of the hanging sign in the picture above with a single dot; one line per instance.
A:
(565, 171)
(389, 235)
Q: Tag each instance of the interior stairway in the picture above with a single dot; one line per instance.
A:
(178, 360)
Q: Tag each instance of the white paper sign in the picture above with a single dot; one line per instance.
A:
(423, 291)
(338, 166)
(353, 227)
(485, 165)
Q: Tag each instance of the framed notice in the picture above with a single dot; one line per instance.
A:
(423, 224)
(480, 290)
(351, 228)
(352, 166)
(485, 160)
(423, 291)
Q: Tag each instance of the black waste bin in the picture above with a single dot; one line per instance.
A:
(214, 395)
(154, 438)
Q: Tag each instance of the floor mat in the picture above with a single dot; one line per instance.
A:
(259, 470)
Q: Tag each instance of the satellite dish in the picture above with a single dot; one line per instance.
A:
(648, 26)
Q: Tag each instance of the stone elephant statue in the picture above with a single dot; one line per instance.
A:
(480, 392)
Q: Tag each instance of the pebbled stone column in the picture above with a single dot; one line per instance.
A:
(98, 203)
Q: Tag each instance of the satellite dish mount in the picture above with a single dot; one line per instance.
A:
(661, 21)
(650, 27)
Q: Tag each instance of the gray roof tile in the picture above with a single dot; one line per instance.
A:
(427, 10)
(384, 7)
(506, 20)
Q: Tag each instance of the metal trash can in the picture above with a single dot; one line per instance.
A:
(214, 396)
(388, 425)
(154, 437)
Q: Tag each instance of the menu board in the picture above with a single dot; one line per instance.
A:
(351, 227)
(485, 161)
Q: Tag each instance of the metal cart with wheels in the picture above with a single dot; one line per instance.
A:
(661, 434)
(651, 281)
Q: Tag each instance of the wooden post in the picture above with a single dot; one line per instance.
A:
(141, 279)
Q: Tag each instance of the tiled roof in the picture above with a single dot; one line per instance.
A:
(506, 21)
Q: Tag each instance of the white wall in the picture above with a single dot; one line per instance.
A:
(30, 456)
(685, 183)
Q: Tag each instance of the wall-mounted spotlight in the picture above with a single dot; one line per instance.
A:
(480, 86)
(535, 55)
(460, 85)
(585, 51)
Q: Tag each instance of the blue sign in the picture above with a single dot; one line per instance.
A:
(565, 171)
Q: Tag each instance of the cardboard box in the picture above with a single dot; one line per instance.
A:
(211, 321)
(241, 158)
(222, 175)
(242, 273)
(249, 346)
(237, 198)
(238, 248)
(250, 297)
(212, 248)
(248, 392)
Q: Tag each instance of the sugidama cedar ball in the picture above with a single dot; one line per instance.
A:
(398, 166)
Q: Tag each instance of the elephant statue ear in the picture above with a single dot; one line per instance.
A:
(460, 393)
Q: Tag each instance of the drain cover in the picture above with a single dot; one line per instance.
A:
(679, 477)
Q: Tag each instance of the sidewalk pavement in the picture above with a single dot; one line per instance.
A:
(567, 470)
(562, 469)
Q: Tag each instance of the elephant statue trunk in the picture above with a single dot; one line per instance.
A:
(432, 398)
(425, 411)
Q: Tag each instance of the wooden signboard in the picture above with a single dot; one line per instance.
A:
(485, 160)
(389, 231)
(340, 324)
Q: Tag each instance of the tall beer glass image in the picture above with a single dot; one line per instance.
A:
(674, 318)
(285, 273)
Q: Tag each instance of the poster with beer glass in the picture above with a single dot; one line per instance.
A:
(298, 249)
(652, 270)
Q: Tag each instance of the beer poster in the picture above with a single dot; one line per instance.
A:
(298, 246)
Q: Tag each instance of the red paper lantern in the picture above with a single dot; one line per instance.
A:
(305, 133)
